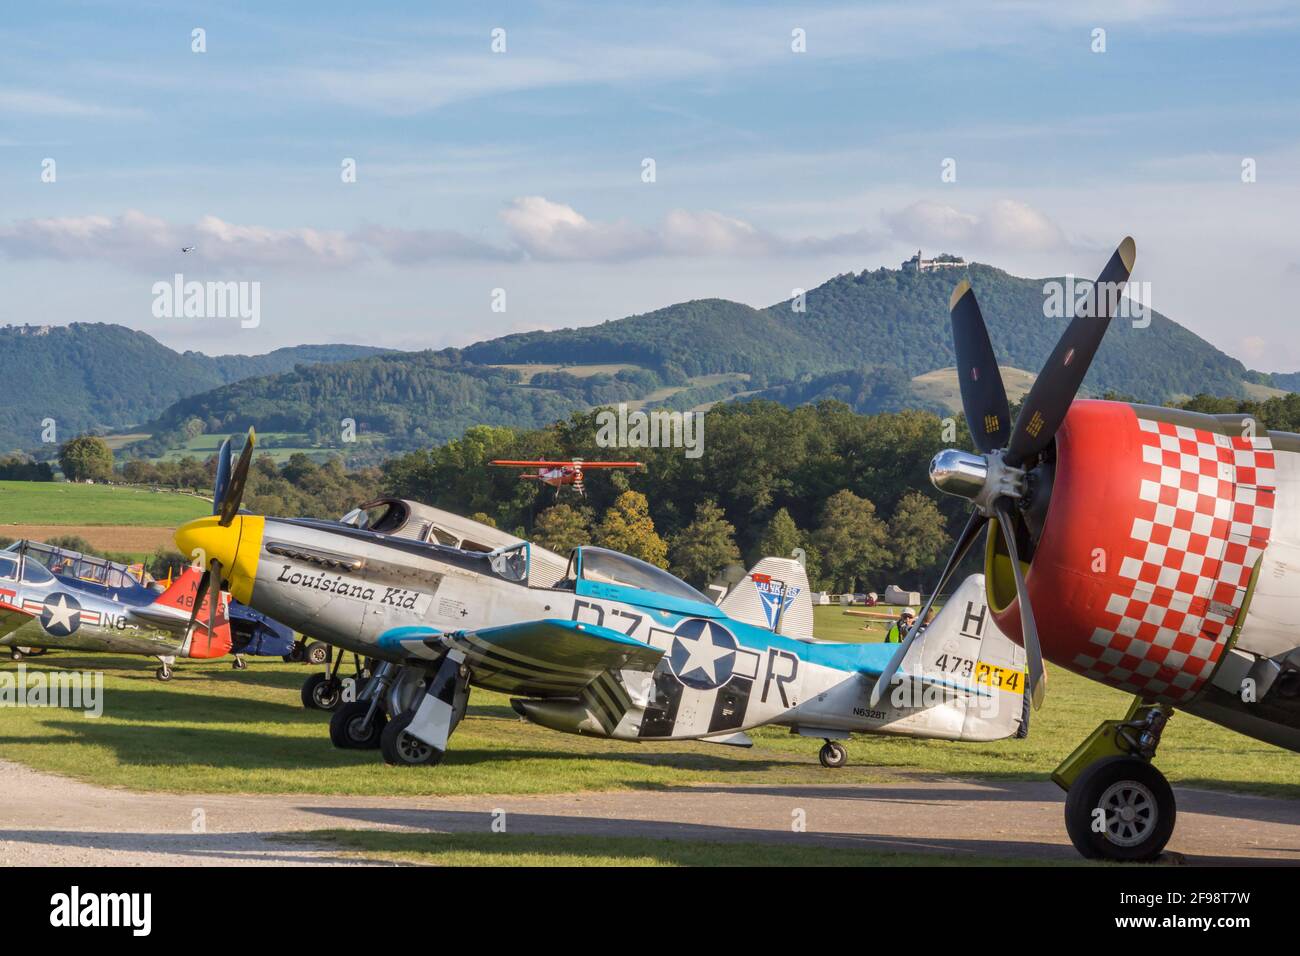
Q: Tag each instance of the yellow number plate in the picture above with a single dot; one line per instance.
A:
(1003, 678)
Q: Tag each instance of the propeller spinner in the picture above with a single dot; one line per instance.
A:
(999, 480)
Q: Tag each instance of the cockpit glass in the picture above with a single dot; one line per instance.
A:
(612, 567)
(511, 563)
(8, 568)
(35, 573)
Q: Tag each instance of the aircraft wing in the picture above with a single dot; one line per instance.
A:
(12, 618)
(549, 656)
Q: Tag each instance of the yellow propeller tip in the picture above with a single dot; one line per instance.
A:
(962, 288)
(1128, 252)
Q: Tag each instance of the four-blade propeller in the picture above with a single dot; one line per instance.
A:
(228, 494)
(995, 480)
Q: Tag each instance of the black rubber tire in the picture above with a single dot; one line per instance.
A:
(402, 750)
(321, 693)
(317, 653)
(15, 654)
(833, 755)
(163, 673)
(1117, 778)
(344, 729)
(239, 664)
(296, 653)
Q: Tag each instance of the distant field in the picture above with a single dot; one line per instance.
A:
(941, 385)
(66, 504)
(527, 371)
(279, 445)
(1262, 392)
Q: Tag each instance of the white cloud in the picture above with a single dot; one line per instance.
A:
(137, 240)
(550, 230)
(1006, 225)
(40, 103)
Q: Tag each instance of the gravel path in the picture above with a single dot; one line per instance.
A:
(51, 820)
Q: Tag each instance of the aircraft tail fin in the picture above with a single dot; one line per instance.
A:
(182, 594)
(774, 595)
(964, 648)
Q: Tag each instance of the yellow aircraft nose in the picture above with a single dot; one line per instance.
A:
(235, 546)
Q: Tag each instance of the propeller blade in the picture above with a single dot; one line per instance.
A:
(235, 492)
(214, 595)
(222, 483)
(1028, 629)
(1054, 389)
(198, 598)
(983, 396)
(967, 537)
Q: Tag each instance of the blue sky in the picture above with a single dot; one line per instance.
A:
(522, 170)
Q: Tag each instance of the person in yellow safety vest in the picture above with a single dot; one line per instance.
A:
(898, 630)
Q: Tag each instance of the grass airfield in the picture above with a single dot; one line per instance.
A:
(216, 730)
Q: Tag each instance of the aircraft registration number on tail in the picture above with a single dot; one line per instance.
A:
(1003, 678)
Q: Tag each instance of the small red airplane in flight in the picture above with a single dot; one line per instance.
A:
(558, 473)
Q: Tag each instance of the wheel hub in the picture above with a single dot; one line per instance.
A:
(1130, 810)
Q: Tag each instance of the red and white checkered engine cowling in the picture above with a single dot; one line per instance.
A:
(1154, 528)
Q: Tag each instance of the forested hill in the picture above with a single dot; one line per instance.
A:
(882, 318)
(96, 375)
(414, 398)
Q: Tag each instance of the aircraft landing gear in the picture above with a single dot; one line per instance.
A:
(239, 663)
(357, 725)
(402, 749)
(434, 713)
(833, 755)
(325, 691)
(164, 672)
(1117, 805)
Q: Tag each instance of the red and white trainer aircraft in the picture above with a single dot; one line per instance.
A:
(560, 473)
(1159, 548)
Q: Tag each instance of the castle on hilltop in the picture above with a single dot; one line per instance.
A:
(942, 261)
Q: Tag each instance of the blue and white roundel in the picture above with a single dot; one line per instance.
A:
(703, 654)
(61, 614)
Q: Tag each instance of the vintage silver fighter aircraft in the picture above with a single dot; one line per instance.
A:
(53, 598)
(615, 647)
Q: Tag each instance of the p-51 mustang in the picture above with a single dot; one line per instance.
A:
(615, 648)
(54, 598)
(1166, 544)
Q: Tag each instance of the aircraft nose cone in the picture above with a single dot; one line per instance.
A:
(236, 547)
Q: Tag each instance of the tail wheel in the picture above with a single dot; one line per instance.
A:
(349, 730)
(1120, 808)
(163, 673)
(321, 692)
(833, 755)
(16, 653)
(401, 749)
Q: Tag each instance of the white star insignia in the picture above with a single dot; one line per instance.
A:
(704, 654)
(60, 614)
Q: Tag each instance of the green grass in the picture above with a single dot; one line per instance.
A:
(213, 729)
(511, 849)
(58, 502)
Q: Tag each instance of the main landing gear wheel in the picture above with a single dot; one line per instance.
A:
(16, 653)
(400, 748)
(317, 653)
(833, 755)
(321, 692)
(163, 673)
(349, 729)
(1138, 806)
